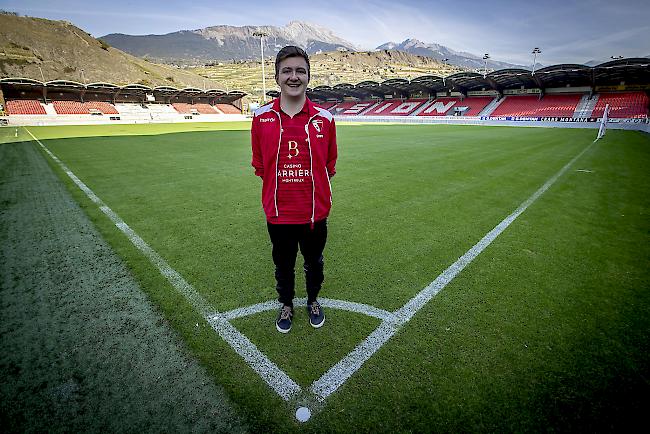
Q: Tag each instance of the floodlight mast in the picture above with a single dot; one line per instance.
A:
(262, 35)
(486, 56)
(536, 51)
(616, 57)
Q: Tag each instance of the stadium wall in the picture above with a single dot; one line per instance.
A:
(46, 120)
(620, 124)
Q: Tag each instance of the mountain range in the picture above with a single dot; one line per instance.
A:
(227, 42)
(440, 52)
(231, 43)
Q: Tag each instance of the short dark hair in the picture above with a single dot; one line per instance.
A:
(291, 51)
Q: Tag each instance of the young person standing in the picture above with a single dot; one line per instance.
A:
(294, 152)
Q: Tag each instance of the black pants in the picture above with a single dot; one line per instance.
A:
(286, 239)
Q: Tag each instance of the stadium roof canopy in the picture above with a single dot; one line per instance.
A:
(634, 71)
(134, 89)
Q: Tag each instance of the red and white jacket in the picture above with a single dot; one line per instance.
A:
(266, 138)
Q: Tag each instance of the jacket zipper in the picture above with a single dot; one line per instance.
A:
(311, 167)
(277, 158)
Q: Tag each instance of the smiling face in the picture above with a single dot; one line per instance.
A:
(293, 77)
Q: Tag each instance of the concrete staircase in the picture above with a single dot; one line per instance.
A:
(586, 106)
(487, 111)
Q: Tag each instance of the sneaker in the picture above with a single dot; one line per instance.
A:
(283, 323)
(316, 315)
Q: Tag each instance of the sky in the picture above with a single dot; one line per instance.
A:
(566, 31)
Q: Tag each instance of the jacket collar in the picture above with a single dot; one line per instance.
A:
(311, 109)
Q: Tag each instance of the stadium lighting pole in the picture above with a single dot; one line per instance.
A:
(486, 56)
(536, 51)
(262, 35)
(42, 76)
(83, 77)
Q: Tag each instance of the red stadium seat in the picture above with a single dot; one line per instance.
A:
(351, 108)
(396, 107)
(70, 108)
(228, 109)
(326, 105)
(532, 106)
(445, 106)
(104, 107)
(622, 105)
(25, 107)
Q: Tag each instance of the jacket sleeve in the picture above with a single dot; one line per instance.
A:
(257, 162)
(332, 151)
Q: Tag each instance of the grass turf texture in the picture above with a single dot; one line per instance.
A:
(548, 328)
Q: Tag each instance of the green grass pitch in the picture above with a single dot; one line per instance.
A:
(549, 328)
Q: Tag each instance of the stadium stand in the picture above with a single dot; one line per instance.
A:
(622, 105)
(395, 108)
(351, 108)
(70, 108)
(205, 109)
(447, 106)
(326, 105)
(103, 107)
(228, 109)
(25, 107)
(189, 109)
(531, 105)
(162, 109)
(183, 108)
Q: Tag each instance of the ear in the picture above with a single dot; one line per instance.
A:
(276, 80)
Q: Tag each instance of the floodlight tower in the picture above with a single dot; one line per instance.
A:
(486, 56)
(616, 57)
(536, 51)
(83, 77)
(262, 35)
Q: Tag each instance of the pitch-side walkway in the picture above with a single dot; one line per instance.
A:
(81, 347)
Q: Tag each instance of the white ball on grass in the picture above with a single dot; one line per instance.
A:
(303, 414)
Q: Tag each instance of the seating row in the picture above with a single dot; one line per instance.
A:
(25, 107)
(622, 105)
(34, 107)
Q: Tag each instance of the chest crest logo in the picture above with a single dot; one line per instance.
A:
(318, 124)
(293, 146)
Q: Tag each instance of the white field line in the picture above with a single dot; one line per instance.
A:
(339, 373)
(302, 302)
(270, 373)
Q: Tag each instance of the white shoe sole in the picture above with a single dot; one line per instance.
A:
(317, 326)
(282, 330)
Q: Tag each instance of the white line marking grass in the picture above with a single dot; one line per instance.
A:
(339, 373)
(270, 373)
(336, 376)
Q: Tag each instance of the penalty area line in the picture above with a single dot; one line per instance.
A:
(344, 369)
(267, 370)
